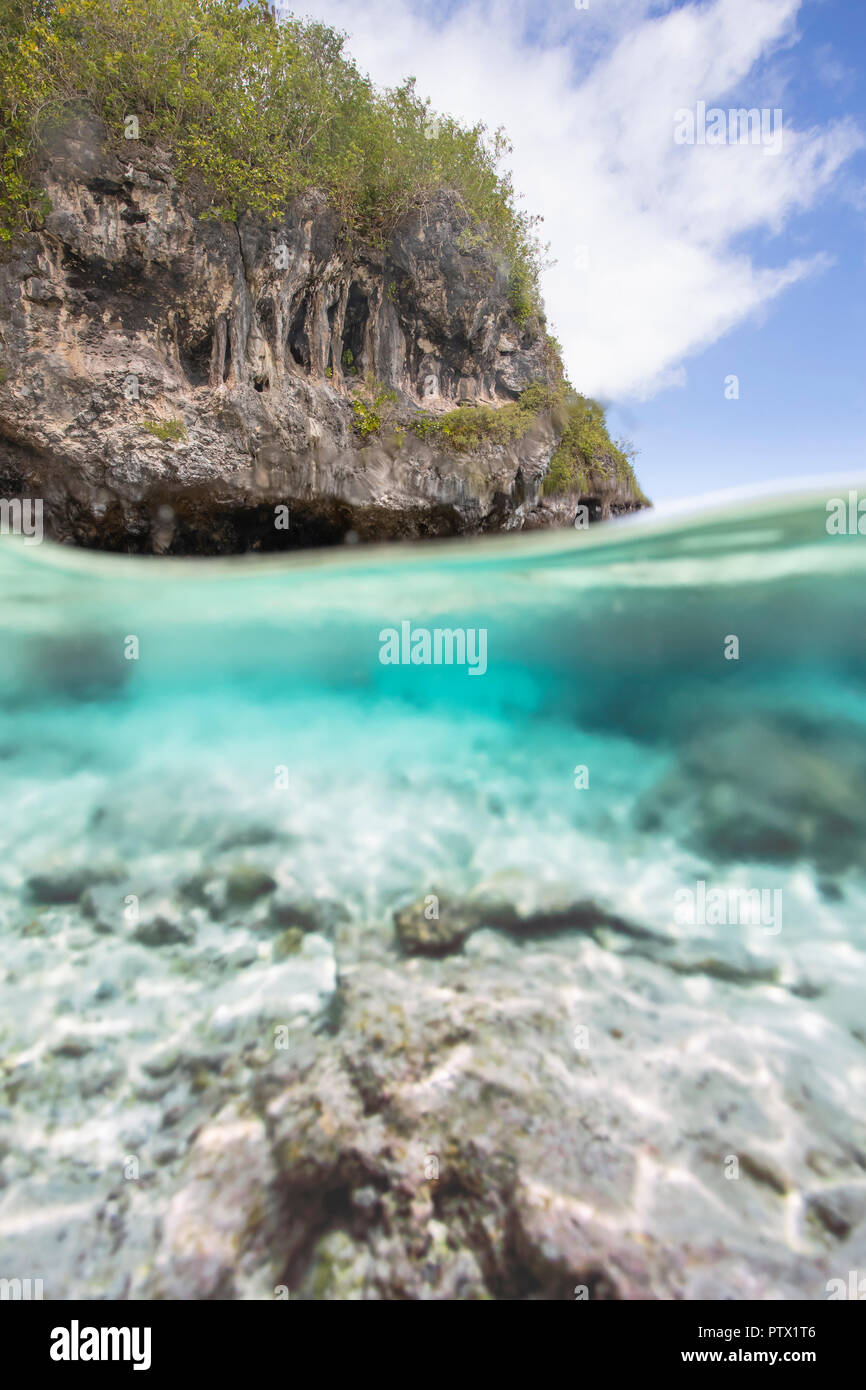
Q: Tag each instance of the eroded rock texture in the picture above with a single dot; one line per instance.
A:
(168, 381)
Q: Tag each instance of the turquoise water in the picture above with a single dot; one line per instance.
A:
(604, 650)
(163, 714)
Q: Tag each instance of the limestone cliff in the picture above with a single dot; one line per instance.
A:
(168, 382)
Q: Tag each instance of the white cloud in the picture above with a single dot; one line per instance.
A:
(588, 99)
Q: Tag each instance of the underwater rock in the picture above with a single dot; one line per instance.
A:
(434, 925)
(522, 1121)
(64, 881)
(759, 790)
(460, 1137)
(345, 1269)
(245, 835)
(247, 882)
(206, 889)
(219, 1225)
(290, 908)
(237, 892)
(510, 901)
(162, 924)
(73, 1045)
(839, 1208)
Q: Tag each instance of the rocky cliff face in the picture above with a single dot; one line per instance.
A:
(168, 382)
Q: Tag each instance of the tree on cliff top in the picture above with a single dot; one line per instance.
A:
(262, 110)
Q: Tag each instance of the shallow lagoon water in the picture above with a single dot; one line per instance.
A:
(259, 724)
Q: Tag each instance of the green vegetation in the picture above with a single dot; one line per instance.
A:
(169, 431)
(468, 427)
(586, 448)
(261, 110)
(369, 418)
(586, 445)
(522, 293)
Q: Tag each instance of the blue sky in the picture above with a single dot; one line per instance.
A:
(802, 362)
(699, 263)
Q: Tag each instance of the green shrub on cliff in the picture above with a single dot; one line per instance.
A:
(469, 427)
(262, 110)
(586, 449)
(522, 293)
(585, 452)
(368, 417)
(168, 431)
